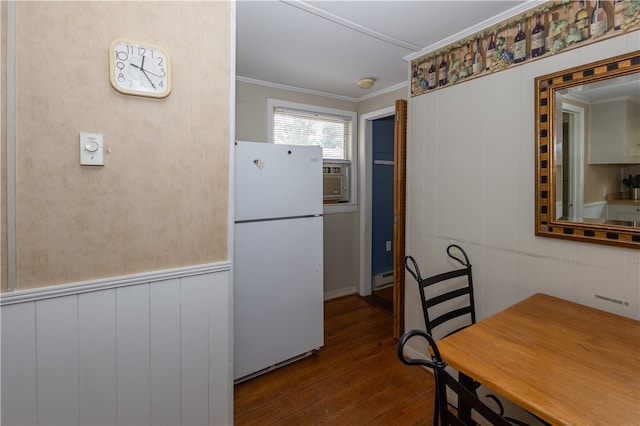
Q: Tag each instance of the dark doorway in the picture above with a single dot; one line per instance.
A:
(382, 179)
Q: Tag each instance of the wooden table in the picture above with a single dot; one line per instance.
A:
(567, 363)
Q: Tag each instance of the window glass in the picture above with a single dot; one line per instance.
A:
(298, 127)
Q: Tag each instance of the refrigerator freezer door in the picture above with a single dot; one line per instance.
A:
(274, 181)
(278, 292)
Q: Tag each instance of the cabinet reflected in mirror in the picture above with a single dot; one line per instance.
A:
(588, 152)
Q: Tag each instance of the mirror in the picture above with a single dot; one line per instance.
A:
(588, 152)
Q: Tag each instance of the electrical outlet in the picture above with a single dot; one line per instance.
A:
(388, 245)
(604, 192)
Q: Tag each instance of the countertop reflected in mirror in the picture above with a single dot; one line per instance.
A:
(625, 201)
(596, 221)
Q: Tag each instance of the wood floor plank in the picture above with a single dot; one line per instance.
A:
(415, 410)
(355, 379)
(355, 340)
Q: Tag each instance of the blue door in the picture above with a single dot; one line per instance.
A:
(382, 199)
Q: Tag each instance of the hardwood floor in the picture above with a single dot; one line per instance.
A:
(383, 297)
(355, 379)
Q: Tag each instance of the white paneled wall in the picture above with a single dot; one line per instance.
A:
(470, 181)
(148, 353)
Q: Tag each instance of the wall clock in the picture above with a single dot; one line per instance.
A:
(140, 69)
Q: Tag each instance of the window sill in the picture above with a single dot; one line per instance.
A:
(340, 208)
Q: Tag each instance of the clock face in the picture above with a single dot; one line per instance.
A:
(139, 69)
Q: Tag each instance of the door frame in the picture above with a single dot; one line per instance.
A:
(365, 159)
(365, 143)
(575, 144)
(399, 214)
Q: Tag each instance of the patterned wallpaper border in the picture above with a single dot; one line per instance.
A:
(553, 27)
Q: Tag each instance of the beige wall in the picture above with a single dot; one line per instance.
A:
(161, 199)
(251, 108)
(382, 101)
(3, 146)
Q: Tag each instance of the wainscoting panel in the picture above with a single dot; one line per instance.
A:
(220, 352)
(165, 353)
(19, 374)
(58, 361)
(195, 351)
(97, 348)
(133, 355)
(139, 352)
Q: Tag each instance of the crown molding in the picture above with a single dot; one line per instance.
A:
(319, 93)
(350, 24)
(389, 89)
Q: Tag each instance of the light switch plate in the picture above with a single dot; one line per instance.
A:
(91, 149)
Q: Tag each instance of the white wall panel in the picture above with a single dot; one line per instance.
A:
(502, 192)
(220, 351)
(606, 271)
(164, 314)
(633, 41)
(476, 168)
(195, 351)
(431, 165)
(416, 127)
(132, 354)
(498, 286)
(422, 183)
(19, 380)
(606, 48)
(97, 351)
(453, 118)
(58, 361)
(631, 290)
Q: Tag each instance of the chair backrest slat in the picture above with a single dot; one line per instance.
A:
(436, 300)
(426, 282)
(451, 315)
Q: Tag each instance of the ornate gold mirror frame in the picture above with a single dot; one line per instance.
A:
(591, 230)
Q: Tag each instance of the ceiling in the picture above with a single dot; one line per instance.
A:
(327, 46)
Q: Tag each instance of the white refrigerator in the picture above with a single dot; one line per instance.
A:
(278, 267)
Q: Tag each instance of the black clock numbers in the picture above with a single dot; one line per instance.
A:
(139, 55)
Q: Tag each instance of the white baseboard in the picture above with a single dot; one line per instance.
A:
(339, 293)
(381, 280)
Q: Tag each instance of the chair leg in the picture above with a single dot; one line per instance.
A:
(436, 410)
(463, 409)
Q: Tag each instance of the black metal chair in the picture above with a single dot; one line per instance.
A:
(452, 308)
(444, 381)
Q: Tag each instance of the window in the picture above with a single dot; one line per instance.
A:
(297, 124)
(334, 130)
